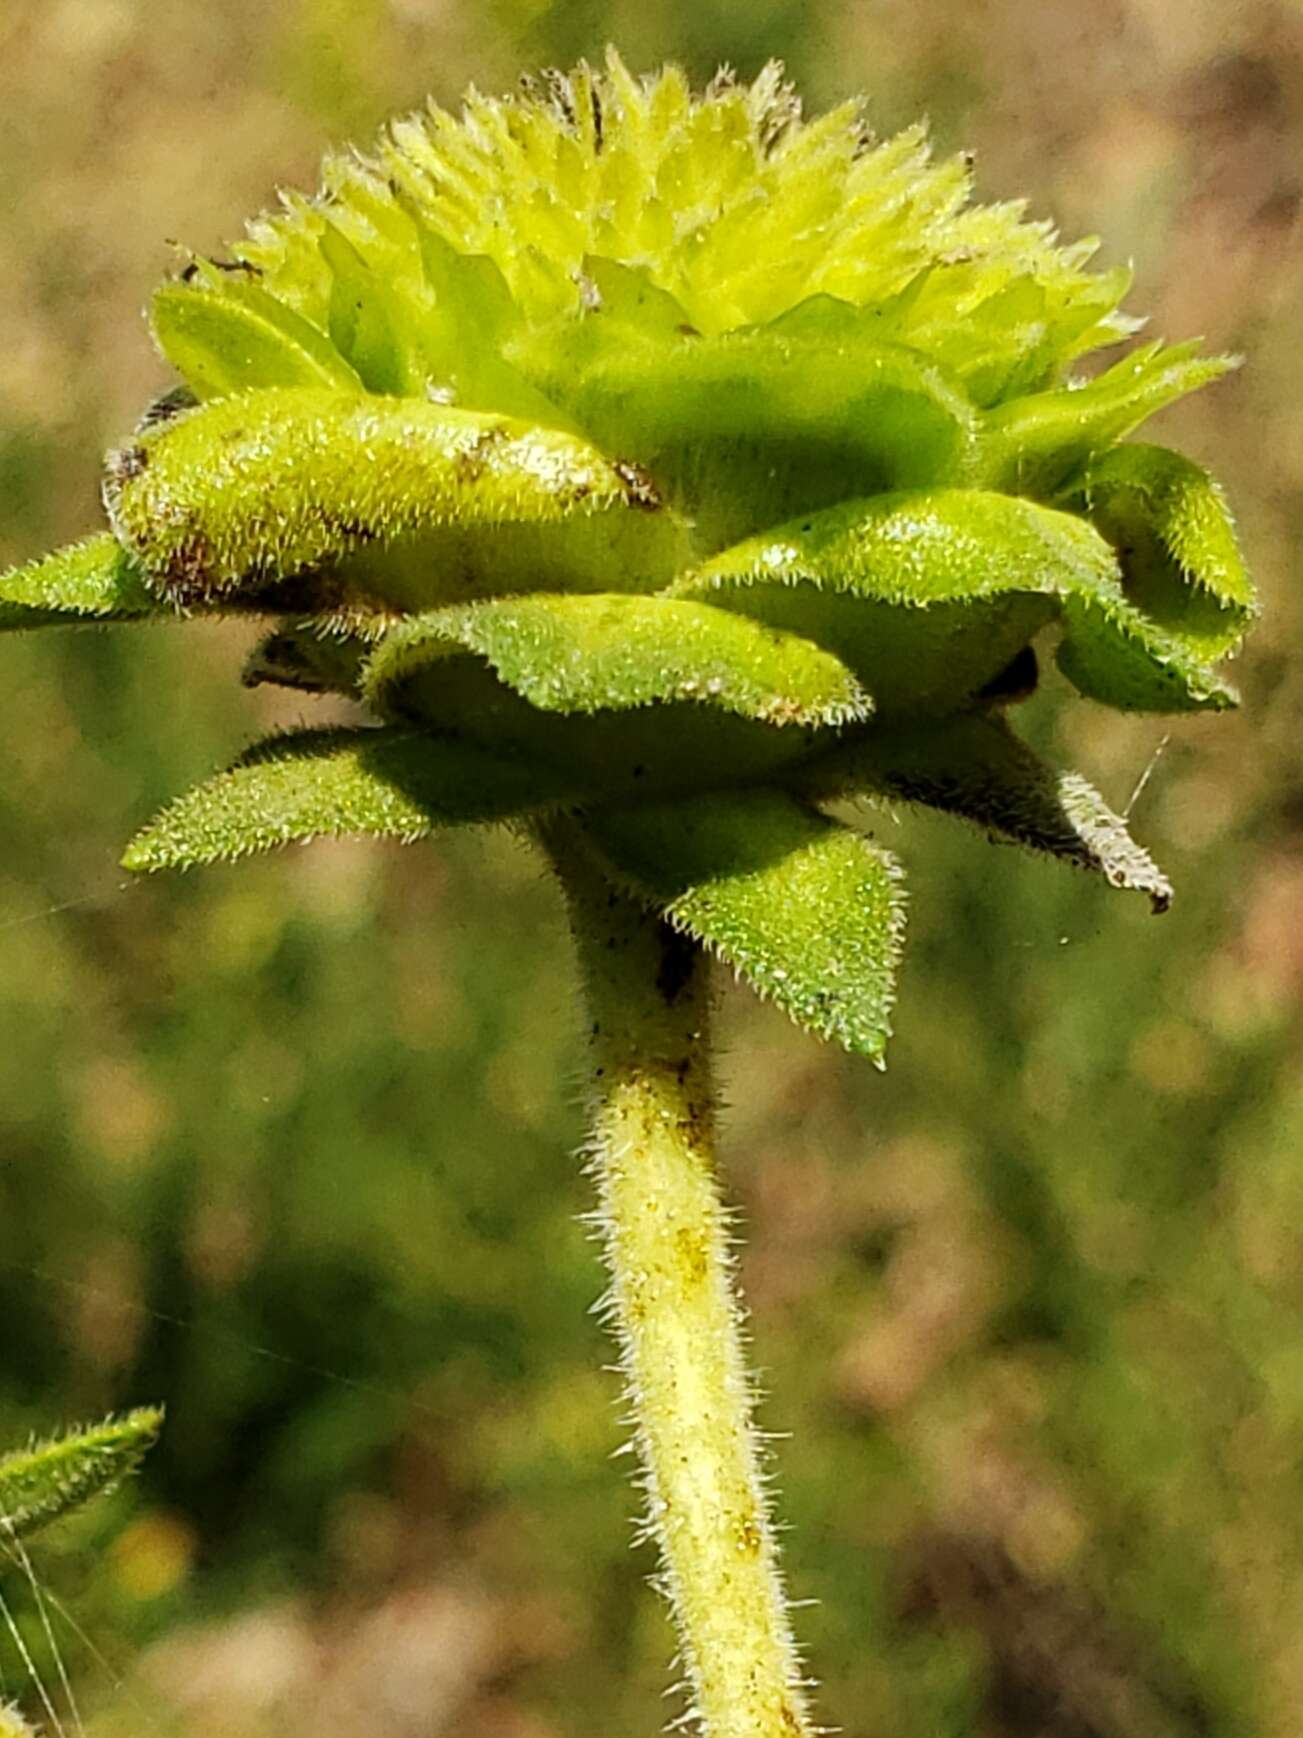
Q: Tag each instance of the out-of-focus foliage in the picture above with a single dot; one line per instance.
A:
(289, 1146)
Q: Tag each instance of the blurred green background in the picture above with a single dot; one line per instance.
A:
(290, 1147)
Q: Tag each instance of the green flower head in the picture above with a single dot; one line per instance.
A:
(680, 464)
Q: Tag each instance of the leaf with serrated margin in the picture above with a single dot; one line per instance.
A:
(1112, 653)
(328, 783)
(807, 911)
(41, 1483)
(1175, 540)
(399, 501)
(927, 595)
(1035, 444)
(94, 580)
(974, 767)
(595, 653)
(224, 333)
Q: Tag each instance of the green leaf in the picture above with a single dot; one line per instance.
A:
(328, 783)
(974, 767)
(50, 1479)
(95, 580)
(224, 333)
(1036, 444)
(367, 323)
(928, 595)
(468, 288)
(1113, 654)
(1175, 540)
(465, 317)
(629, 295)
(611, 653)
(645, 753)
(390, 502)
(615, 704)
(747, 428)
(807, 911)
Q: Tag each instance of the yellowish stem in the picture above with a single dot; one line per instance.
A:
(674, 1311)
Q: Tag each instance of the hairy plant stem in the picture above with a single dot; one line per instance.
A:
(673, 1308)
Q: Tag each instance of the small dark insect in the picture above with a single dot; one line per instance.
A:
(235, 266)
(165, 407)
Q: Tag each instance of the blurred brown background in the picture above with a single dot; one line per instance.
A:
(289, 1147)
